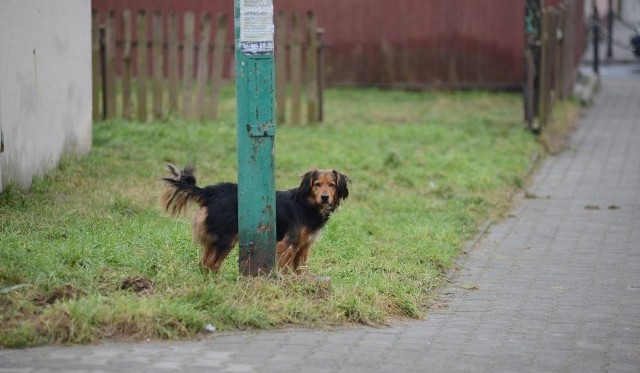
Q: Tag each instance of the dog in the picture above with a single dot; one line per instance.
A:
(301, 213)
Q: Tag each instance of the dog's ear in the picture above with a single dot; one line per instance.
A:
(342, 184)
(307, 182)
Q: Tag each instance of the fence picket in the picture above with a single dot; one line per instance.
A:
(110, 66)
(296, 69)
(187, 65)
(560, 19)
(95, 65)
(157, 65)
(281, 67)
(173, 62)
(202, 72)
(127, 109)
(320, 76)
(141, 64)
(218, 64)
(312, 69)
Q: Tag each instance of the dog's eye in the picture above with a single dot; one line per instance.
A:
(332, 184)
(317, 184)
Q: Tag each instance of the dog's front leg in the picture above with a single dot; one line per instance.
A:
(286, 254)
(300, 261)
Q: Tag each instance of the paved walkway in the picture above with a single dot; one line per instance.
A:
(554, 288)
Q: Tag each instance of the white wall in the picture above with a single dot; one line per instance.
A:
(603, 7)
(630, 11)
(45, 85)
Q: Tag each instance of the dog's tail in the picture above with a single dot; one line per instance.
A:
(180, 189)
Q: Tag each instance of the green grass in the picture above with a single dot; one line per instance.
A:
(427, 169)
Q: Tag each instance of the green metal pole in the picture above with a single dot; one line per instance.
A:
(255, 92)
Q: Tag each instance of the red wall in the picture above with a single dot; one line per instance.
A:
(459, 42)
(453, 43)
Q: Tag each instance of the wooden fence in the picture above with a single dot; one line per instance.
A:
(145, 66)
(550, 58)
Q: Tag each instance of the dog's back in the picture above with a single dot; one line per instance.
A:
(181, 188)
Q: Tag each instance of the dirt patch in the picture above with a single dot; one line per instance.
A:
(61, 293)
(138, 284)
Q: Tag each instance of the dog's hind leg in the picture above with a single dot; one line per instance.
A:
(215, 254)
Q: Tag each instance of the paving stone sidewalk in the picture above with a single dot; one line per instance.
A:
(553, 288)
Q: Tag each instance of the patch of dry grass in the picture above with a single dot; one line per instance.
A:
(564, 118)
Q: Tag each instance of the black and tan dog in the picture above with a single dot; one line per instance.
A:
(300, 213)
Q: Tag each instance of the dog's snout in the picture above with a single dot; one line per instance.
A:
(324, 198)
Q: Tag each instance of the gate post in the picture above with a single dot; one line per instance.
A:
(255, 87)
(595, 24)
(532, 45)
(610, 32)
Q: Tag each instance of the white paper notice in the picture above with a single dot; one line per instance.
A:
(256, 26)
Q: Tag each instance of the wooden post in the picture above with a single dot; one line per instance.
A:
(187, 65)
(550, 63)
(103, 70)
(296, 69)
(141, 55)
(281, 67)
(127, 109)
(202, 72)
(529, 88)
(559, 41)
(544, 66)
(218, 63)
(533, 34)
(157, 65)
(569, 44)
(173, 62)
(595, 19)
(610, 31)
(553, 44)
(312, 69)
(321, 84)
